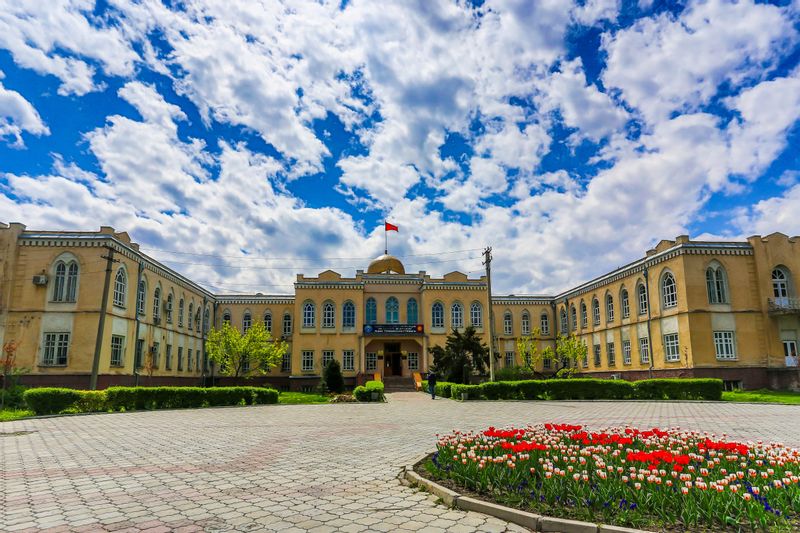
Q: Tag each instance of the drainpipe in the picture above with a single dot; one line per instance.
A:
(649, 336)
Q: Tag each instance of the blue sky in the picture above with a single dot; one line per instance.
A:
(243, 142)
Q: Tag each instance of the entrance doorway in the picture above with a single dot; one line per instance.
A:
(394, 359)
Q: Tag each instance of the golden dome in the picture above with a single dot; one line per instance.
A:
(386, 264)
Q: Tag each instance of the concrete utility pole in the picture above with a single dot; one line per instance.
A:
(101, 324)
(139, 275)
(487, 254)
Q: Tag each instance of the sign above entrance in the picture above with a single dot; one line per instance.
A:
(393, 329)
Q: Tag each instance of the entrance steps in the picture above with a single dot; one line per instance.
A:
(398, 384)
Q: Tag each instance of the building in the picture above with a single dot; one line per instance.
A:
(686, 309)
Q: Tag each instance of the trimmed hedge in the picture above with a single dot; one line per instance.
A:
(442, 388)
(50, 400)
(363, 393)
(588, 389)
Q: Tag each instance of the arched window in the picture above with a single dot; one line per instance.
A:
(72, 282)
(120, 288)
(526, 323)
(563, 317)
(780, 283)
(412, 311)
(287, 324)
(437, 315)
(247, 321)
(544, 324)
(328, 315)
(625, 302)
(584, 315)
(180, 313)
(59, 282)
(309, 318)
(65, 285)
(609, 308)
(197, 322)
(140, 296)
(206, 320)
(157, 304)
(573, 315)
(457, 315)
(191, 314)
(168, 308)
(226, 316)
(349, 315)
(268, 321)
(508, 323)
(716, 285)
(669, 291)
(595, 312)
(476, 315)
(372, 311)
(641, 296)
(392, 310)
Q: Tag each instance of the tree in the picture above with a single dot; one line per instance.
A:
(571, 352)
(528, 349)
(332, 380)
(463, 353)
(238, 354)
(11, 393)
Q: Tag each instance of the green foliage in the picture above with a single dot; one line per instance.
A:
(238, 354)
(763, 395)
(12, 397)
(679, 389)
(363, 393)
(463, 354)
(8, 415)
(589, 389)
(498, 390)
(514, 373)
(91, 401)
(531, 389)
(570, 351)
(133, 398)
(50, 400)
(442, 388)
(332, 380)
(473, 392)
(295, 398)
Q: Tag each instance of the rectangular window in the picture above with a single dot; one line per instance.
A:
(286, 363)
(307, 361)
(546, 362)
(327, 357)
(156, 354)
(507, 324)
(626, 306)
(672, 351)
(348, 360)
(117, 350)
(626, 352)
(180, 357)
(596, 355)
(168, 357)
(287, 325)
(55, 349)
(509, 359)
(413, 361)
(139, 354)
(610, 352)
(644, 350)
(189, 360)
(372, 361)
(725, 345)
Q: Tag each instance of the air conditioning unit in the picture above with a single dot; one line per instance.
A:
(41, 279)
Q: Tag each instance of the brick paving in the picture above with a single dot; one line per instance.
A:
(320, 468)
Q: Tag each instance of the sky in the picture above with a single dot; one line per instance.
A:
(244, 142)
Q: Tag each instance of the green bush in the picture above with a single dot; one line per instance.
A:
(679, 389)
(263, 396)
(50, 400)
(443, 389)
(363, 393)
(514, 373)
(91, 401)
(332, 380)
(531, 389)
(500, 390)
(12, 397)
(588, 389)
(474, 392)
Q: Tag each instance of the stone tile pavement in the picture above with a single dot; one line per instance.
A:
(320, 468)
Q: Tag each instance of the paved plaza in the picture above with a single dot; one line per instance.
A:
(288, 467)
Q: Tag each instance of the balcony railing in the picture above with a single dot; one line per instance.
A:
(784, 306)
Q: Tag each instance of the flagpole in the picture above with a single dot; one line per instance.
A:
(386, 239)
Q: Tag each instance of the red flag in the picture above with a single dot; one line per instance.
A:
(391, 227)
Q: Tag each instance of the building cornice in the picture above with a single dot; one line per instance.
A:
(258, 299)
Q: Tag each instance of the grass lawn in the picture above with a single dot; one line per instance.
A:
(292, 398)
(763, 395)
(7, 415)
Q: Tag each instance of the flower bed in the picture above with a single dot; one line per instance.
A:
(667, 479)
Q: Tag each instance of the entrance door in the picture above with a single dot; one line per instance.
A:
(394, 362)
(790, 353)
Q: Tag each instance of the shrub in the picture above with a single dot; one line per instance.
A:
(91, 401)
(474, 392)
(263, 396)
(514, 373)
(500, 390)
(588, 389)
(12, 397)
(443, 388)
(363, 393)
(332, 380)
(679, 389)
(531, 389)
(50, 400)
(123, 398)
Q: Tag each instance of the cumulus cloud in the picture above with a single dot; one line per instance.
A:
(18, 115)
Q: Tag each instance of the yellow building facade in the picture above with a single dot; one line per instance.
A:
(685, 309)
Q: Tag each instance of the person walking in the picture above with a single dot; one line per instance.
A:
(432, 383)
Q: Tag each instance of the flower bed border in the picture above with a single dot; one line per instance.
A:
(534, 522)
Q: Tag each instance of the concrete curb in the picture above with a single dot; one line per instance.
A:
(531, 521)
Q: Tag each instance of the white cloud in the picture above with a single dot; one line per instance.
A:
(18, 115)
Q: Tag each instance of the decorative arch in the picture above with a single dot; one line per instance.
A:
(168, 306)
(267, 320)
(157, 303)
(717, 283)
(65, 271)
(573, 315)
(609, 308)
(309, 314)
(544, 323)
(641, 298)
(141, 295)
(437, 315)
(457, 315)
(247, 320)
(328, 314)
(372, 310)
(584, 315)
(563, 317)
(121, 287)
(392, 310)
(181, 309)
(348, 315)
(525, 322)
(625, 302)
(508, 322)
(595, 311)
(669, 289)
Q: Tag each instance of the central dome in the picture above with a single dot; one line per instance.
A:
(386, 264)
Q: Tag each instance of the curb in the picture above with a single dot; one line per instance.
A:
(531, 521)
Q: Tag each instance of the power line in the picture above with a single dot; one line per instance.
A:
(296, 267)
(265, 258)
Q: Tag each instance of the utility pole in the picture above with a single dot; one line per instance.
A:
(139, 275)
(101, 324)
(487, 254)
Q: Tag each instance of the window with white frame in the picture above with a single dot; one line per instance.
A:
(328, 315)
(780, 283)
(117, 350)
(509, 358)
(596, 312)
(286, 363)
(197, 319)
(120, 288)
(55, 349)
(611, 353)
(392, 310)
(189, 360)
(563, 319)
(226, 317)
(247, 321)
(168, 309)
(157, 304)
(609, 308)
(309, 320)
(348, 315)
(180, 313)
(327, 357)
(547, 363)
(412, 311)
(573, 317)
(584, 315)
(669, 291)
(476, 315)
(625, 303)
(508, 323)
(437, 315)
(206, 320)
(371, 361)
(716, 285)
(413, 361)
(307, 360)
(140, 297)
(180, 358)
(641, 294)
(544, 324)
(526, 323)
(644, 350)
(457, 315)
(596, 355)
(287, 324)
(168, 357)
(626, 352)
(672, 351)
(65, 285)
(371, 311)
(725, 345)
(348, 360)
(268, 321)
